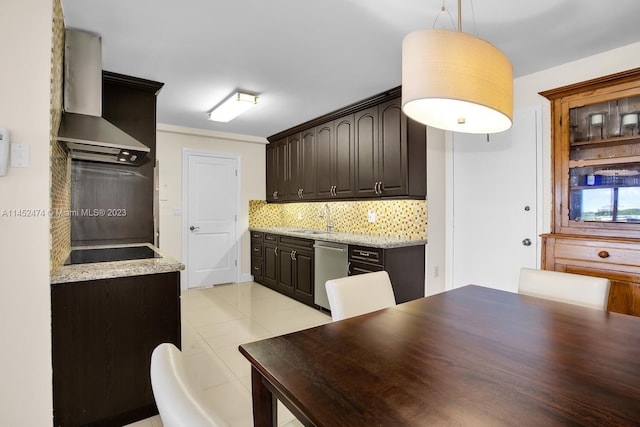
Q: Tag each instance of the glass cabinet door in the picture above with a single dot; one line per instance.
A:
(604, 161)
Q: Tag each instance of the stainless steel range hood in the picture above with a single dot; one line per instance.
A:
(87, 134)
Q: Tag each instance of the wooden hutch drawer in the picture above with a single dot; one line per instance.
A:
(598, 254)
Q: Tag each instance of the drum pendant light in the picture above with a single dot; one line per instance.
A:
(455, 81)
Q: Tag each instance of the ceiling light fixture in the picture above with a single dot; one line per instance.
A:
(455, 81)
(232, 107)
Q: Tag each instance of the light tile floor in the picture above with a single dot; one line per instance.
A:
(215, 321)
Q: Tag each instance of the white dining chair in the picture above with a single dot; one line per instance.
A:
(179, 402)
(578, 289)
(363, 293)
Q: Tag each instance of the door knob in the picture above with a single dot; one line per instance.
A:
(192, 228)
(526, 242)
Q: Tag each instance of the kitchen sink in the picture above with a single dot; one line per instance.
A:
(311, 231)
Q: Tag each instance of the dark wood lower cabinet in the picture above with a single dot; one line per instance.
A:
(405, 267)
(303, 289)
(103, 333)
(270, 266)
(287, 267)
(288, 264)
(295, 268)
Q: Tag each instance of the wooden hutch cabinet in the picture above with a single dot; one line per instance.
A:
(596, 184)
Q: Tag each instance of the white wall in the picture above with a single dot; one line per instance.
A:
(436, 265)
(25, 305)
(171, 140)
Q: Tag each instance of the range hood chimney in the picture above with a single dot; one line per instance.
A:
(87, 134)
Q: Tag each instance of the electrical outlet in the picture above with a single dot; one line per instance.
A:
(371, 216)
(299, 215)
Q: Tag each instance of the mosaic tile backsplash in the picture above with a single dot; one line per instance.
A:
(60, 166)
(393, 218)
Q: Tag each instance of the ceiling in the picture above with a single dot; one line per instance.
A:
(306, 58)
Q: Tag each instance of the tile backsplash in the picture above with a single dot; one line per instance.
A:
(393, 218)
(60, 167)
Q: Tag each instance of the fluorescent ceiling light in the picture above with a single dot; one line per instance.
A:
(232, 107)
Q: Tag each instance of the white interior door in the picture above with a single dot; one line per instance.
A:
(211, 220)
(495, 199)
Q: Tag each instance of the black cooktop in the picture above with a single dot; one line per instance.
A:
(87, 256)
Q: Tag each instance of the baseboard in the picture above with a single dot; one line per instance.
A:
(246, 277)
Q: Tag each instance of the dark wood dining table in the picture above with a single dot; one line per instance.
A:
(472, 356)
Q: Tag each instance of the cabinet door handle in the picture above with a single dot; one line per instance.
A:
(349, 268)
(380, 187)
(603, 254)
(275, 251)
(293, 255)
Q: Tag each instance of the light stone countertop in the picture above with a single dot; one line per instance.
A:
(112, 269)
(369, 240)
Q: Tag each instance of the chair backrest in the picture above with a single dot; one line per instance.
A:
(363, 293)
(587, 291)
(178, 401)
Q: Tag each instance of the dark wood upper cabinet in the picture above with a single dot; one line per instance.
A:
(301, 165)
(367, 150)
(343, 165)
(393, 156)
(366, 153)
(277, 169)
(294, 166)
(324, 151)
(272, 171)
(308, 160)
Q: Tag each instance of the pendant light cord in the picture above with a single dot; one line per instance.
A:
(473, 16)
(444, 10)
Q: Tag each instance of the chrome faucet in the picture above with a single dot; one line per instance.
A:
(329, 222)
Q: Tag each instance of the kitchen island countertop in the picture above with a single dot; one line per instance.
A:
(112, 269)
(385, 242)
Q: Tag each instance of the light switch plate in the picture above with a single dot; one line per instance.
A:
(20, 156)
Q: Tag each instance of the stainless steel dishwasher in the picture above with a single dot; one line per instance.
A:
(330, 263)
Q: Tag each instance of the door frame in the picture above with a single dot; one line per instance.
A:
(186, 153)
